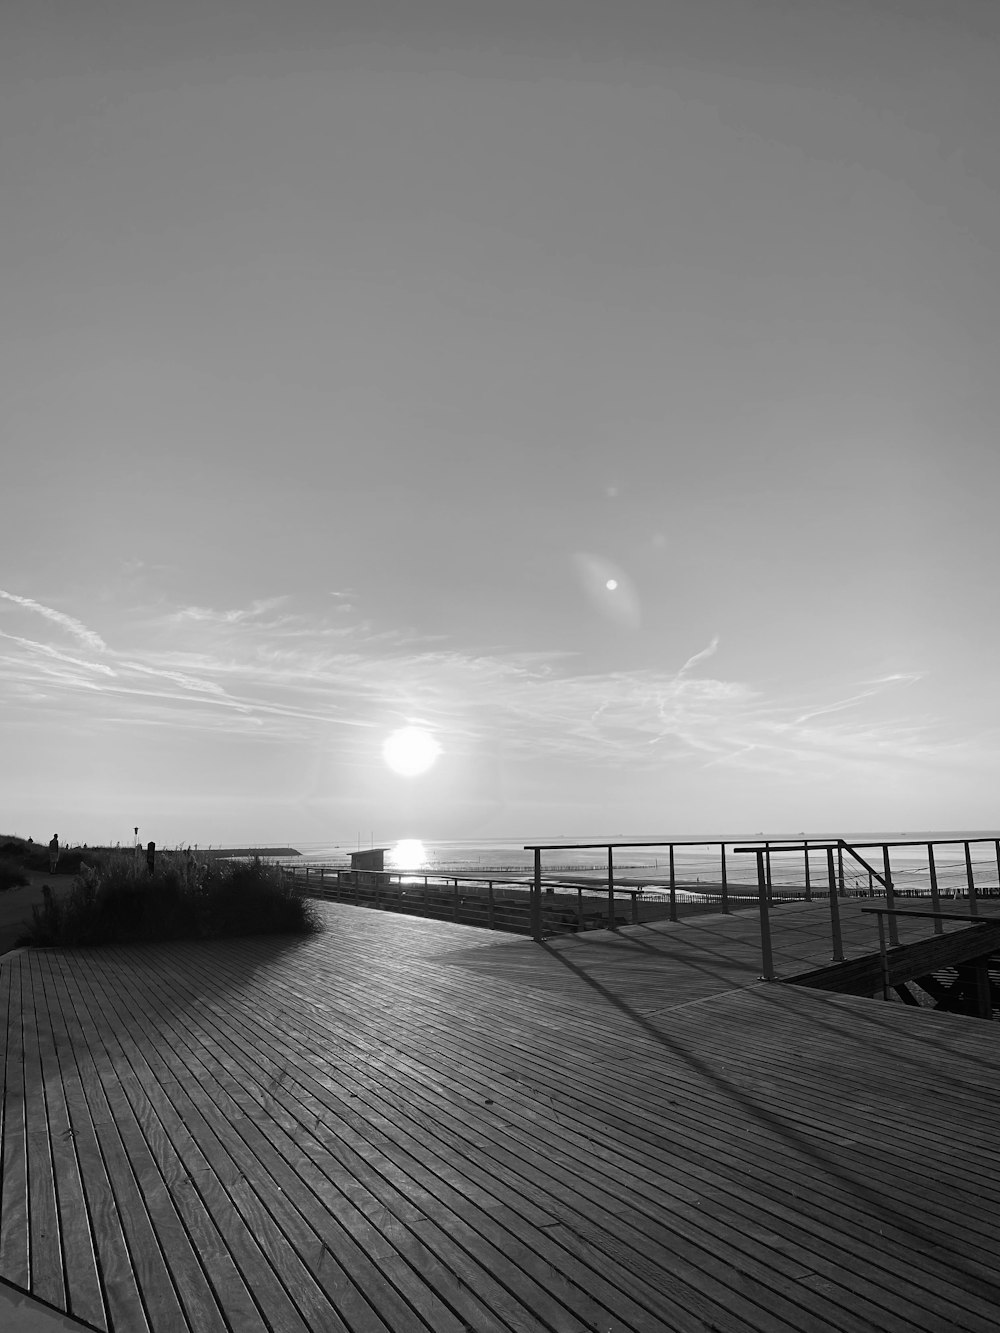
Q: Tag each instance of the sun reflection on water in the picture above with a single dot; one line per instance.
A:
(407, 854)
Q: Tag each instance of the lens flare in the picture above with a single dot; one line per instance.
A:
(598, 577)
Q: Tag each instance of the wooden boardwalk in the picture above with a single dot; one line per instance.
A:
(419, 1127)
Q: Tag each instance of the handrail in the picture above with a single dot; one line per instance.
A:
(933, 916)
(892, 912)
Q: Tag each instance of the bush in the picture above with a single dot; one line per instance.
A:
(118, 901)
(12, 874)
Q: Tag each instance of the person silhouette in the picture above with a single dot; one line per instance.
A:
(53, 853)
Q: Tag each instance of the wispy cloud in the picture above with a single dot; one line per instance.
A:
(78, 630)
(700, 657)
(272, 671)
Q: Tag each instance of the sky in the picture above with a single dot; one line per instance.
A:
(350, 351)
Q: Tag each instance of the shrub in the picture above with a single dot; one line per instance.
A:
(118, 901)
(12, 874)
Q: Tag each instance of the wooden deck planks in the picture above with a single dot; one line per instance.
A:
(14, 1221)
(408, 1124)
(263, 1086)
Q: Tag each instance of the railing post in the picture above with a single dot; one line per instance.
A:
(490, 907)
(673, 887)
(635, 907)
(890, 896)
(611, 889)
(838, 943)
(883, 957)
(579, 908)
(767, 863)
(840, 871)
(765, 927)
(998, 864)
(454, 902)
(984, 994)
(935, 894)
(809, 892)
(536, 898)
(725, 881)
(973, 896)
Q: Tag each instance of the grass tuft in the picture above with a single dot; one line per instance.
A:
(12, 874)
(118, 901)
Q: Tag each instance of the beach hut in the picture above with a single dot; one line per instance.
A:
(368, 866)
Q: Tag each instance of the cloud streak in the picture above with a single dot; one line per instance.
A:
(272, 672)
(74, 627)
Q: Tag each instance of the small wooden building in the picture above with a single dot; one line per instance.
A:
(368, 865)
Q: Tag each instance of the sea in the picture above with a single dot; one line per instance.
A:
(697, 859)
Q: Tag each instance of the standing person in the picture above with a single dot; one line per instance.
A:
(53, 853)
(151, 857)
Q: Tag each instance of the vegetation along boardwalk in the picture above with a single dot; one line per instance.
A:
(407, 1125)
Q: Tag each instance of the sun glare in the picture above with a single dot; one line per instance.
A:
(410, 751)
(407, 854)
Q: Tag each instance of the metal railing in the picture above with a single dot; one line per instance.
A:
(541, 903)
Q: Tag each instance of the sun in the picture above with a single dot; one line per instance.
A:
(410, 751)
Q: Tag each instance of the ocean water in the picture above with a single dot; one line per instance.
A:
(696, 862)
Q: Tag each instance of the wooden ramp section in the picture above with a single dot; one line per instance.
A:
(906, 962)
(413, 1126)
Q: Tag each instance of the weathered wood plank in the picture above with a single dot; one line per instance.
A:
(408, 1125)
(14, 1213)
(84, 1296)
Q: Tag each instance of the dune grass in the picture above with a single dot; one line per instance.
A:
(118, 901)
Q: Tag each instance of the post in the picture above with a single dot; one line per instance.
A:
(579, 908)
(611, 889)
(883, 957)
(984, 995)
(767, 861)
(536, 899)
(490, 907)
(973, 897)
(809, 892)
(890, 897)
(725, 881)
(454, 903)
(635, 907)
(838, 942)
(998, 864)
(765, 928)
(935, 895)
(840, 871)
(673, 887)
